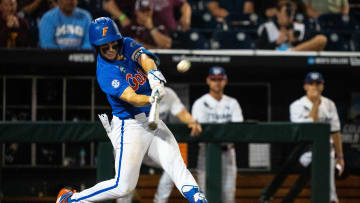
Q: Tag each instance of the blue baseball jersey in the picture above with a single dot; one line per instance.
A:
(115, 77)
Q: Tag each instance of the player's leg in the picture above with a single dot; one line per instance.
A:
(165, 185)
(165, 151)
(229, 172)
(126, 199)
(201, 166)
(164, 189)
(333, 195)
(316, 43)
(132, 142)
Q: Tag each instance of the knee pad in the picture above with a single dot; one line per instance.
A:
(193, 194)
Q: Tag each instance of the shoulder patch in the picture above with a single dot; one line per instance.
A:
(115, 83)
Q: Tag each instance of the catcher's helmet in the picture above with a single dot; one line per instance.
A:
(102, 31)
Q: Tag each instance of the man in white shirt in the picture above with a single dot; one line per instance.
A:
(216, 107)
(313, 107)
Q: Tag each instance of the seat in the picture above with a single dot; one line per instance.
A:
(95, 7)
(336, 22)
(232, 40)
(337, 42)
(192, 39)
(203, 20)
(356, 41)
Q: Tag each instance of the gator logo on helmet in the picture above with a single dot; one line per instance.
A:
(104, 31)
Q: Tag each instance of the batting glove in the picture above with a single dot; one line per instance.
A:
(158, 91)
(156, 78)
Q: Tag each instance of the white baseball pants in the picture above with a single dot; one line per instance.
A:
(132, 140)
(164, 188)
(306, 158)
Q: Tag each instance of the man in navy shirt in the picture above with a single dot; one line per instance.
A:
(127, 73)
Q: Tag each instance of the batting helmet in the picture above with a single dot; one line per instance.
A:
(102, 31)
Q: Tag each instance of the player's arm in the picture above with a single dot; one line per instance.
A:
(298, 115)
(47, 32)
(339, 150)
(86, 42)
(336, 136)
(237, 115)
(185, 117)
(315, 111)
(146, 62)
(130, 96)
(154, 75)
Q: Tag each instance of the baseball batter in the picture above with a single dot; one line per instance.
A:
(128, 75)
(169, 104)
(313, 107)
(216, 107)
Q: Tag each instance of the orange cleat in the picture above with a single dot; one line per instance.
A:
(64, 195)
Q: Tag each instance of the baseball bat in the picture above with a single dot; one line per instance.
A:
(154, 114)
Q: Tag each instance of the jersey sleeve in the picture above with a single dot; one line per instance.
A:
(113, 84)
(297, 114)
(47, 29)
(237, 115)
(86, 42)
(198, 112)
(334, 119)
(134, 50)
(175, 103)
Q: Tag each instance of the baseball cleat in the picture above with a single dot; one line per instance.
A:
(193, 194)
(64, 196)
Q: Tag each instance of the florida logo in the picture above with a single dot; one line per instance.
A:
(104, 31)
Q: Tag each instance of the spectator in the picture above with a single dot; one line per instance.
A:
(165, 13)
(122, 10)
(65, 27)
(144, 30)
(13, 29)
(284, 34)
(315, 8)
(32, 11)
(270, 8)
(223, 9)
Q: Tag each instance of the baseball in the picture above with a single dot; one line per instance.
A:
(183, 66)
